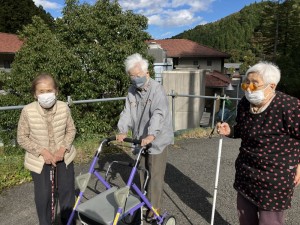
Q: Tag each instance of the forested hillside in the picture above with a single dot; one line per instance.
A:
(268, 30)
(231, 34)
(16, 14)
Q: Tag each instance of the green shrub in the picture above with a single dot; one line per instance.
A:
(11, 167)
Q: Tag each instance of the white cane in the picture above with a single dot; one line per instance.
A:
(218, 169)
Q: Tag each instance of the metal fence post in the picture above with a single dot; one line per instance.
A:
(237, 98)
(69, 100)
(173, 109)
(214, 112)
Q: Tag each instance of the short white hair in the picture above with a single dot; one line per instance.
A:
(135, 60)
(268, 71)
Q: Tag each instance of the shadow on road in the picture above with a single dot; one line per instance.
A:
(191, 194)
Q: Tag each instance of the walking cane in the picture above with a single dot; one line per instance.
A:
(218, 169)
(52, 179)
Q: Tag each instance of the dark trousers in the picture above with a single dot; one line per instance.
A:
(156, 165)
(250, 214)
(65, 190)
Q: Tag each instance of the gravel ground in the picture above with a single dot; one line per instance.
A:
(188, 191)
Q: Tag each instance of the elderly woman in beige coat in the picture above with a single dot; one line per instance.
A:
(46, 131)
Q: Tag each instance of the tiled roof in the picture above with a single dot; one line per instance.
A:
(186, 48)
(9, 43)
(217, 79)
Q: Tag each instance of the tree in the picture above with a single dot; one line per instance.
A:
(41, 51)
(16, 14)
(231, 34)
(289, 47)
(85, 53)
(280, 31)
(249, 59)
(101, 37)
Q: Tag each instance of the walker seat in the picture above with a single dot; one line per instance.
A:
(103, 207)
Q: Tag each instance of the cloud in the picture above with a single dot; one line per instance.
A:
(167, 34)
(173, 18)
(169, 13)
(47, 4)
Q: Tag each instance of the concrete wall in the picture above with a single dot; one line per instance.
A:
(158, 53)
(188, 111)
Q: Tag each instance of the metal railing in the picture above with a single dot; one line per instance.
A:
(173, 95)
(216, 97)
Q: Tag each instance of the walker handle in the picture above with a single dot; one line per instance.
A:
(129, 140)
(134, 141)
(137, 142)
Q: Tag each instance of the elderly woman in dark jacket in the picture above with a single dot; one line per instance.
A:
(267, 167)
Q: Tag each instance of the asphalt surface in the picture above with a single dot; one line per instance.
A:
(188, 191)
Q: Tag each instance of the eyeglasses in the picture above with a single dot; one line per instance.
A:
(251, 86)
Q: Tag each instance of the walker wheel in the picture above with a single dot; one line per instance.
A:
(169, 220)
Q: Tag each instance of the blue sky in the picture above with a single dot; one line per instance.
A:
(167, 18)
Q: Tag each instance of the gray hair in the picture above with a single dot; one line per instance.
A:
(268, 71)
(136, 60)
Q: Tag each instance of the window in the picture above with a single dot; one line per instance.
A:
(209, 62)
(175, 61)
(7, 64)
(195, 63)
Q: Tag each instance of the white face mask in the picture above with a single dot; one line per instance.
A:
(47, 100)
(256, 97)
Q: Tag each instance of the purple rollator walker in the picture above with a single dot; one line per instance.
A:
(116, 206)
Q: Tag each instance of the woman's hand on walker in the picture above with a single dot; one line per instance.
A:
(147, 140)
(120, 137)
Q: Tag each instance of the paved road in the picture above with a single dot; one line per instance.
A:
(188, 192)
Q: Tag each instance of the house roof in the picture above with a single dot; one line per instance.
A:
(187, 48)
(9, 43)
(217, 79)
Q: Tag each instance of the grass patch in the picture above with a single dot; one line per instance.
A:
(12, 171)
(199, 132)
(87, 149)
